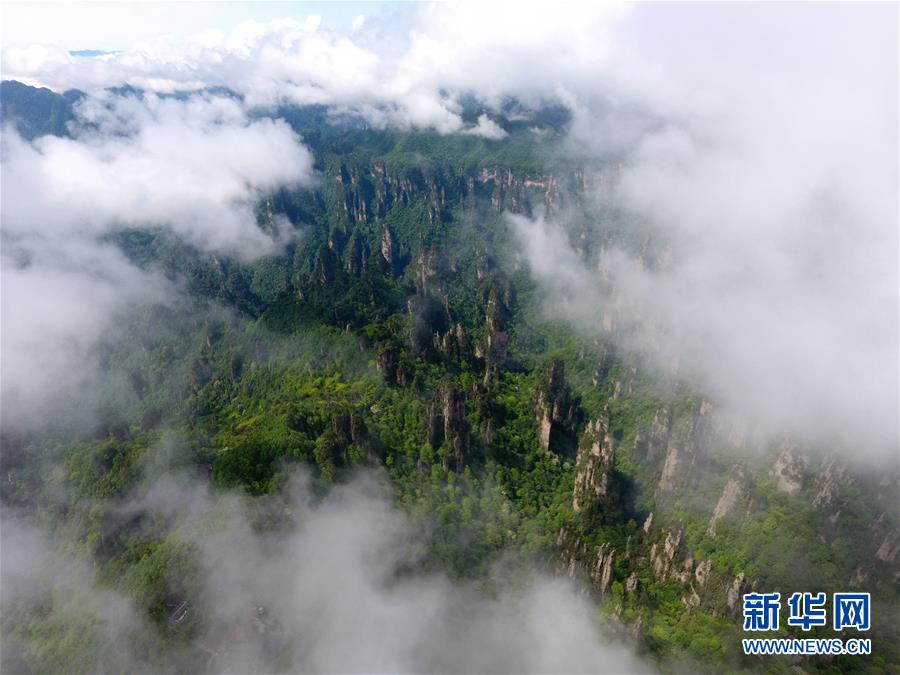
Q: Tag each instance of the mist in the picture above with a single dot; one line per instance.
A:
(773, 281)
(197, 167)
(299, 582)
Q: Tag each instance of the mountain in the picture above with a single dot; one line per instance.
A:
(400, 331)
(36, 112)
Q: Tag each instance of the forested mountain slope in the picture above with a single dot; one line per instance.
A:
(398, 329)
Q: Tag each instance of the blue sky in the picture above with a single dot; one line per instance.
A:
(118, 25)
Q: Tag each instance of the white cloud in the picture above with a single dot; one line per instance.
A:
(768, 272)
(450, 48)
(198, 166)
(339, 590)
(59, 300)
(487, 128)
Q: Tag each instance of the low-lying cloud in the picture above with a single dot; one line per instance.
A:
(197, 166)
(328, 590)
(409, 76)
(767, 271)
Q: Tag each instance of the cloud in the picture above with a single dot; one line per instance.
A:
(766, 268)
(330, 588)
(197, 166)
(59, 301)
(410, 79)
(487, 128)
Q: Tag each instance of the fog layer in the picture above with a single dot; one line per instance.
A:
(297, 583)
(197, 166)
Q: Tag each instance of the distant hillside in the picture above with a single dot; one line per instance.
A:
(37, 112)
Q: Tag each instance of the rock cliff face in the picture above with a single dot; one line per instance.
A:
(685, 440)
(387, 244)
(889, 548)
(703, 586)
(734, 492)
(577, 559)
(660, 555)
(376, 201)
(596, 461)
(557, 414)
(788, 471)
(496, 313)
(368, 191)
(602, 571)
(448, 428)
(652, 444)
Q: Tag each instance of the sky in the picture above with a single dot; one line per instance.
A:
(111, 26)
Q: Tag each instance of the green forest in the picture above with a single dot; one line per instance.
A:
(398, 334)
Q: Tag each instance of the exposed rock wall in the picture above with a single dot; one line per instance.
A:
(596, 460)
(556, 411)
